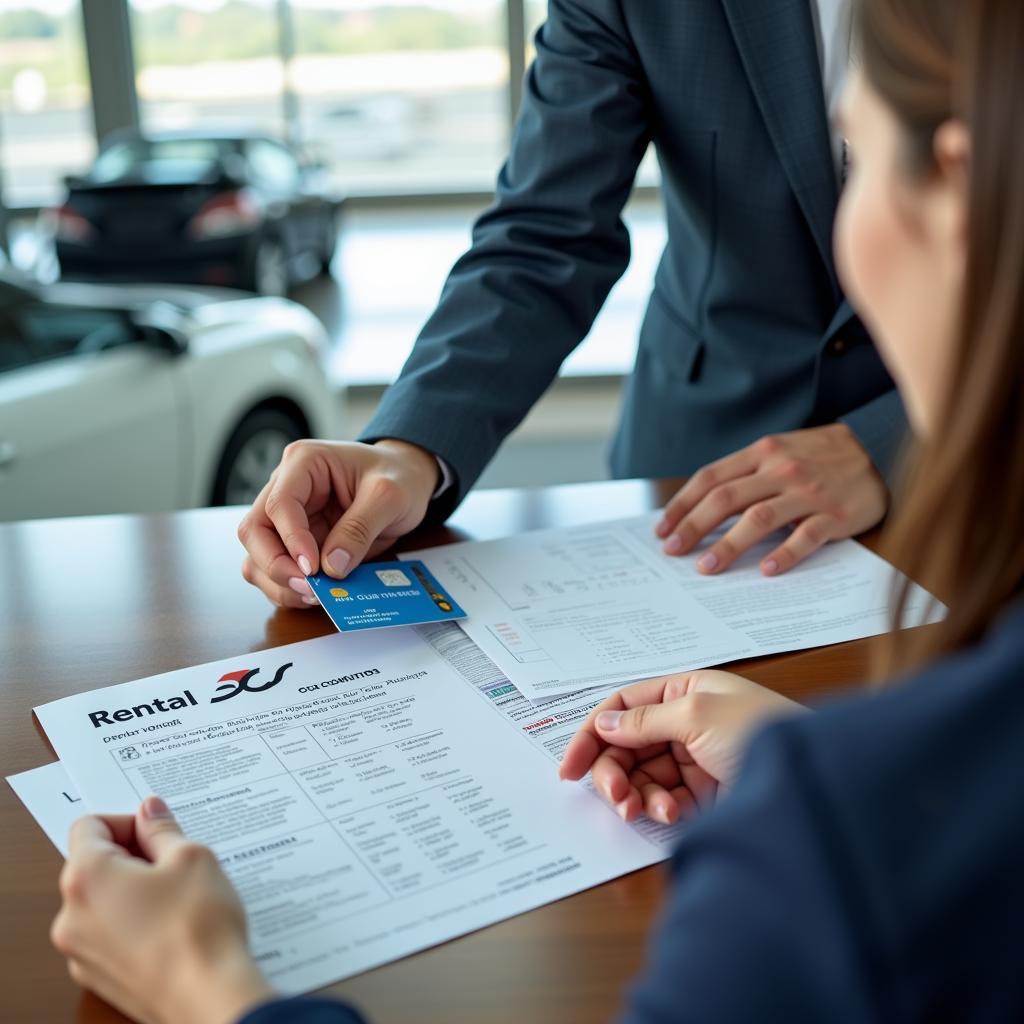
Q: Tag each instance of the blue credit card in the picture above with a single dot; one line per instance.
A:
(384, 594)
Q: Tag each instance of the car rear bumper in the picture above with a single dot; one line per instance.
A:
(222, 261)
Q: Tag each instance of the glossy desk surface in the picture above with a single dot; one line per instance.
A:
(89, 602)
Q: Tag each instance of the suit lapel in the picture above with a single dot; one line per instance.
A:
(777, 45)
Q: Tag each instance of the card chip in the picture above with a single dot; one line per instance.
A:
(393, 578)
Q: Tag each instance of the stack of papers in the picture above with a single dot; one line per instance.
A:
(374, 793)
(600, 605)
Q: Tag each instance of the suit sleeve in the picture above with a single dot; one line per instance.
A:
(762, 921)
(303, 1011)
(881, 428)
(543, 258)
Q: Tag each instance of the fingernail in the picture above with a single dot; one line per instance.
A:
(674, 545)
(154, 808)
(307, 599)
(304, 565)
(338, 561)
(300, 586)
(709, 563)
(622, 810)
(769, 566)
(609, 720)
(662, 812)
(662, 528)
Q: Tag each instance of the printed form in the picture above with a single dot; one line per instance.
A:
(52, 799)
(367, 797)
(600, 605)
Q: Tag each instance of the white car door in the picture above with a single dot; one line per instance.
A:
(89, 417)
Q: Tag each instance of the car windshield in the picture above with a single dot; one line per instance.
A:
(170, 155)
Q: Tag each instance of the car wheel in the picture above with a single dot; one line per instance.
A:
(270, 269)
(252, 453)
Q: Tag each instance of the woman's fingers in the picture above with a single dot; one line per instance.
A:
(610, 774)
(657, 786)
(702, 787)
(587, 744)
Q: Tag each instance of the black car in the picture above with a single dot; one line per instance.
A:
(243, 211)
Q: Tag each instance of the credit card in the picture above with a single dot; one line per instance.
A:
(382, 594)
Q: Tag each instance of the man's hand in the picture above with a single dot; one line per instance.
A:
(665, 746)
(151, 924)
(820, 479)
(329, 505)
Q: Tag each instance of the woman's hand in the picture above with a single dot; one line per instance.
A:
(150, 923)
(663, 747)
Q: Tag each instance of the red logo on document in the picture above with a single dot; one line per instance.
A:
(235, 682)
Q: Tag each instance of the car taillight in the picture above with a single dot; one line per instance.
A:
(230, 213)
(68, 225)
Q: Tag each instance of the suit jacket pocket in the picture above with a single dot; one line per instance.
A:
(670, 342)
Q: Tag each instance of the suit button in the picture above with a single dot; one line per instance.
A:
(837, 346)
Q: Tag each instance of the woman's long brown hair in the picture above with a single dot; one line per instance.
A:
(959, 519)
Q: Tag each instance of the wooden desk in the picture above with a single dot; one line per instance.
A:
(86, 603)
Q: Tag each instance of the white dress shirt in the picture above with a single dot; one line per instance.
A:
(833, 25)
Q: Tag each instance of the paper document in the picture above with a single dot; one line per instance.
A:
(600, 605)
(366, 799)
(548, 726)
(52, 799)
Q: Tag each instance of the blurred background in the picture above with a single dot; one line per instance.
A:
(223, 222)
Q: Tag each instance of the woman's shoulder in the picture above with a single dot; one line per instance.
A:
(912, 797)
(960, 717)
(867, 864)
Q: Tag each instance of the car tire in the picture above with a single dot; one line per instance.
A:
(252, 454)
(268, 269)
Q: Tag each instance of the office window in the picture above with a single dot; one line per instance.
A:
(208, 64)
(403, 96)
(535, 12)
(46, 129)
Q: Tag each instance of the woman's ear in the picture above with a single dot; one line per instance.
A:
(951, 195)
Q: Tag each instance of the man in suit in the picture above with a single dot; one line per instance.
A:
(752, 369)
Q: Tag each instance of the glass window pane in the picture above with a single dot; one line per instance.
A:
(536, 11)
(45, 116)
(161, 157)
(209, 64)
(399, 96)
(273, 165)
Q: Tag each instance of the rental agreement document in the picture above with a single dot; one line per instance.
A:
(52, 799)
(568, 609)
(367, 794)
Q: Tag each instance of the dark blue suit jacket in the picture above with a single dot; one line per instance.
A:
(868, 866)
(746, 333)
